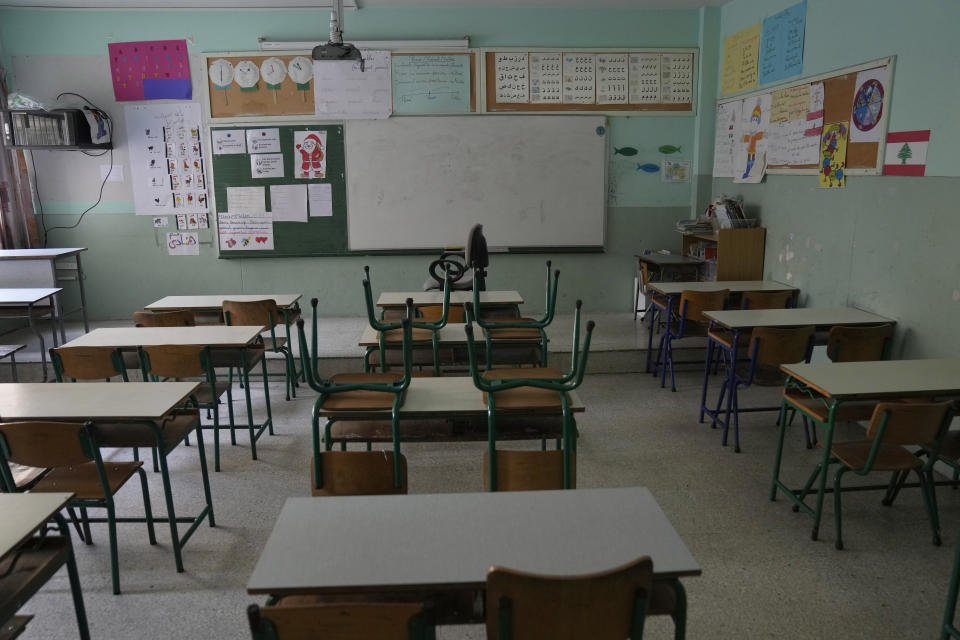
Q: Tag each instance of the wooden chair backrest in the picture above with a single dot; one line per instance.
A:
(45, 444)
(359, 621)
(644, 276)
(529, 470)
(781, 345)
(262, 313)
(175, 361)
(909, 422)
(87, 363)
(358, 473)
(765, 299)
(699, 301)
(164, 319)
(858, 344)
(432, 312)
(598, 606)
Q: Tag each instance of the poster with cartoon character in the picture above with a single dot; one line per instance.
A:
(833, 154)
(310, 154)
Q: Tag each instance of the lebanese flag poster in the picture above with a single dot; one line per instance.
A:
(906, 153)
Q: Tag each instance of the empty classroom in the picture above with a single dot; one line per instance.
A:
(471, 319)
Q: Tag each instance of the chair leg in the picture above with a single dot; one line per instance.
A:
(216, 436)
(836, 504)
(266, 396)
(716, 412)
(75, 520)
(930, 501)
(75, 589)
(87, 536)
(171, 514)
(156, 465)
(250, 427)
(114, 555)
(706, 377)
(679, 614)
(806, 432)
(233, 431)
(735, 401)
(151, 534)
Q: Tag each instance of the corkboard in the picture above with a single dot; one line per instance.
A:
(493, 106)
(234, 101)
(473, 76)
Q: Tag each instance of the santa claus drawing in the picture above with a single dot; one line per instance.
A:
(311, 155)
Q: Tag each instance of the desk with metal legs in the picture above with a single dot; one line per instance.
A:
(738, 322)
(23, 515)
(20, 303)
(144, 403)
(438, 548)
(672, 290)
(837, 383)
(38, 268)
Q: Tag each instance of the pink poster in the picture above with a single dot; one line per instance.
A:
(150, 70)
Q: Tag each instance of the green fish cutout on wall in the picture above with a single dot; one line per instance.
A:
(625, 151)
(668, 148)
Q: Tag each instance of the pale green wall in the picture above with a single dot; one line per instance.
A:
(886, 244)
(57, 50)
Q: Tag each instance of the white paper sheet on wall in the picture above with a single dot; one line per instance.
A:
(546, 78)
(228, 141)
(266, 165)
(183, 244)
(612, 78)
(245, 231)
(246, 200)
(727, 130)
(288, 202)
(263, 140)
(342, 91)
(321, 200)
(512, 77)
(579, 78)
(644, 78)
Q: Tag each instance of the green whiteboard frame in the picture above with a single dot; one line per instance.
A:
(319, 236)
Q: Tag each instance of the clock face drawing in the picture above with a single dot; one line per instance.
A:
(246, 74)
(221, 72)
(273, 70)
(868, 105)
(300, 69)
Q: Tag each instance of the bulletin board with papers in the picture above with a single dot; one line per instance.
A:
(279, 190)
(779, 129)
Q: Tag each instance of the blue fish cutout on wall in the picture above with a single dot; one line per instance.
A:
(668, 148)
(625, 151)
(648, 167)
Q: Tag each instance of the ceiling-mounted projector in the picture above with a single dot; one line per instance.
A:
(336, 49)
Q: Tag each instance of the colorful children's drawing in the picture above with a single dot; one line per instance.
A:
(150, 70)
(833, 154)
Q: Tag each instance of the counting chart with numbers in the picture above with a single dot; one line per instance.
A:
(599, 80)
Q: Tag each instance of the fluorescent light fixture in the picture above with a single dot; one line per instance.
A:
(423, 45)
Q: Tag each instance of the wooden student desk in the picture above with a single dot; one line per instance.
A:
(29, 303)
(142, 403)
(838, 382)
(659, 265)
(739, 322)
(398, 299)
(439, 547)
(672, 290)
(38, 268)
(232, 340)
(23, 515)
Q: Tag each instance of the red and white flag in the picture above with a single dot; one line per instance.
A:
(906, 153)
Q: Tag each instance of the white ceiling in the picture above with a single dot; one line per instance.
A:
(288, 4)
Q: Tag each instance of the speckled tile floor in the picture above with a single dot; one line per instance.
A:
(762, 575)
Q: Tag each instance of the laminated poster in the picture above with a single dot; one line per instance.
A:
(310, 154)
(833, 154)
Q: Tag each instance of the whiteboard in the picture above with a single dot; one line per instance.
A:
(421, 183)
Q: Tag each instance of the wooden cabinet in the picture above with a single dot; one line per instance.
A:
(729, 254)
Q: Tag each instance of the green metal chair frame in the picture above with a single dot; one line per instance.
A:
(568, 382)
(88, 450)
(876, 431)
(291, 375)
(948, 629)
(540, 325)
(382, 327)
(210, 378)
(326, 388)
(160, 463)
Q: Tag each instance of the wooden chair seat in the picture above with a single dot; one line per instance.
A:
(473, 429)
(132, 434)
(205, 397)
(395, 337)
(335, 621)
(39, 560)
(721, 335)
(529, 470)
(24, 476)
(359, 400)
(514, 333)
(818, 410)
(14, 627)
(359, 473)
(83, 480)
(524, 398)
(890, 457)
